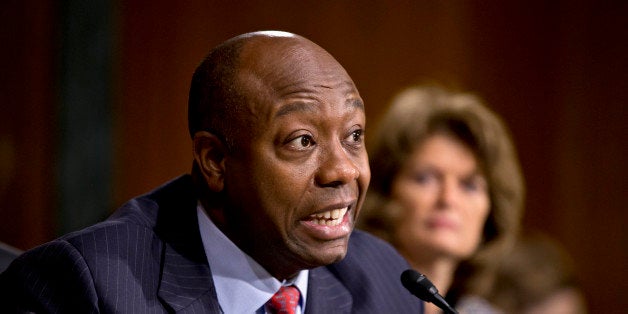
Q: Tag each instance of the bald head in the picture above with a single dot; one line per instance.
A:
(277, 125)
(247, 67)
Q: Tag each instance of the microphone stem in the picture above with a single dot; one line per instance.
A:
(444, 305)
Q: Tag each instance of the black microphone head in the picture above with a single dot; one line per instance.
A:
(418, 285)
(423, 288)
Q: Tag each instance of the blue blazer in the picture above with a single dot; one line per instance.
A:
(148, 257)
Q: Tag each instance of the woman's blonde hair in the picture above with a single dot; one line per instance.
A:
(420, 112)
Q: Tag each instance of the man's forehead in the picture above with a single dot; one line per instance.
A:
(259, 52)
(291, 67)
(290, 64)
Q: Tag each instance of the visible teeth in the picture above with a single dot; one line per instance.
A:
(329, 218)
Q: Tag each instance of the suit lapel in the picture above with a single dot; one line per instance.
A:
(186, 283)
(326, 294)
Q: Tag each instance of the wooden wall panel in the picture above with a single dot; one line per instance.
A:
(554, 70)
(528, 60)
(27, 123)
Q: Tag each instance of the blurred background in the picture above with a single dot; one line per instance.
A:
(93, 100)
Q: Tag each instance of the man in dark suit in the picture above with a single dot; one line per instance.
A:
(265, 220)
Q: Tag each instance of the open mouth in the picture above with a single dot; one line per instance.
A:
(330, 218)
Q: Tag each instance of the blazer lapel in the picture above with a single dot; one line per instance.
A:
(187, 285)
(186, 282)
(326, 294)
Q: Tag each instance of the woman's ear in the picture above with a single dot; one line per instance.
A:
(209, 154)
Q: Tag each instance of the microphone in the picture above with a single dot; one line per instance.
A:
(424, 289)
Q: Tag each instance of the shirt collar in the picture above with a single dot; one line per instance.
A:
(242, 285)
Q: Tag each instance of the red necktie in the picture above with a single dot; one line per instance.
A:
(285, 301)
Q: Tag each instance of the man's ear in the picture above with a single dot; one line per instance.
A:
(209, 154)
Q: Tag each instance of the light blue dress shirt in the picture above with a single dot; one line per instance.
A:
(242, 285)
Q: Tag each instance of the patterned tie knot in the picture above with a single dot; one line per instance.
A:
(285, 301)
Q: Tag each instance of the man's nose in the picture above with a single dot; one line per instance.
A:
(336, 167)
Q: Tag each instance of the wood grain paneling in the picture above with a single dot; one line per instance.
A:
(554, 71)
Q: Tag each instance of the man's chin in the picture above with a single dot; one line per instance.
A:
(326, 255)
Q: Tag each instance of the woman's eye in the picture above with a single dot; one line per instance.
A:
(423, 177)
(474, 184)
(470, 186)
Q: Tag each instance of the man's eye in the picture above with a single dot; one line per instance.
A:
(306, 141)
(303, 141)
(356, 136)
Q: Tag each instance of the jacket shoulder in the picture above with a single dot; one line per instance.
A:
(50, 278)
(371, 271)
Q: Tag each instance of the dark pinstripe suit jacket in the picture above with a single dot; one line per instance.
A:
(148, 258)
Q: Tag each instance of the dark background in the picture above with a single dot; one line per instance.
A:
(94, 93)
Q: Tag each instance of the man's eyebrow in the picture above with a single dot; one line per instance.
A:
(303, 106)
(357, 103)
(292, 107)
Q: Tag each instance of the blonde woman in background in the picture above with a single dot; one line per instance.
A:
(446, 191)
